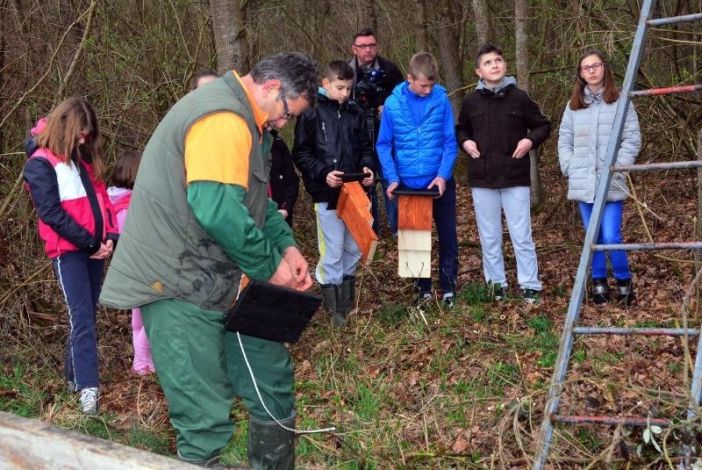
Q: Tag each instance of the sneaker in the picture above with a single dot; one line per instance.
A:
(531, 296)
(625, 292)
(600, 291)
(498, 292)
(448, 300)
(423, 299)
(89, 400)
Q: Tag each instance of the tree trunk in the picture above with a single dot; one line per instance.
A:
(521, 19)
(448, 37)
(369, 18)
(229, 29)
(482, 21)
(420, 20)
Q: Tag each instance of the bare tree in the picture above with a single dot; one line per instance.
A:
(229, 28)
(420, 23)
(448, 38)
(369, 17)
(521, 20)
(482, 21)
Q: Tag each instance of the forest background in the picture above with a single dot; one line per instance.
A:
(461, 388)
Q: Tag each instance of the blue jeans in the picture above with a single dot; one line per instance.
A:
(390, 207)
(610, 233)
(444, 212)
(80, 280)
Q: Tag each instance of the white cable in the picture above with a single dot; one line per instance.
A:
(260, 398)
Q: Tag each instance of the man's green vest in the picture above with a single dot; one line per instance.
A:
(163, 251)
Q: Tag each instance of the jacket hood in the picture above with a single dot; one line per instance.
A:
(39, 126)
(507, 82)
(116, 193)
(436, 92)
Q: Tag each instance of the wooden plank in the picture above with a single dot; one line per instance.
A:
(414, 263)
(28, 444)
(354, 209)
(414, 253)
(414, 212)
(414, 240)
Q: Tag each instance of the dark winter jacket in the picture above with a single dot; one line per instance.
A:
(331, 137)
(284, 181)
(496, 122)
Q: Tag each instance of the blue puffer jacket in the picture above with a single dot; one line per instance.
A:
(416, 142)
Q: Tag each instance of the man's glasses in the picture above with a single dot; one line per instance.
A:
(286, 110)
(591, 68)
(366, 46)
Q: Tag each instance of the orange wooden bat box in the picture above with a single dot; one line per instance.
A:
(414, 212)
(354, 209)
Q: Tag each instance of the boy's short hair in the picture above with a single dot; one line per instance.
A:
(423, 63)
(338, 70)
(363, 33)
(487, 48)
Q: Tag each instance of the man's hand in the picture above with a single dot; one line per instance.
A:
(380, 110)
(283, 276)
(439, 183)
(392, 187)
(283, 212)
(334, 178)
(523, 147)
(298, 264)
(368, 180)
(471, 148)
(104, 252)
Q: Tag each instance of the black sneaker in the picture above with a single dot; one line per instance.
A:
(531, 296)
(625, 292)
(448, 300)
(423, 299)
(498, 292)
(600, 291)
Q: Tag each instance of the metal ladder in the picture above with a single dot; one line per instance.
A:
(570, 328)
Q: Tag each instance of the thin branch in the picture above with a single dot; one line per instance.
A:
(48, 69)
(79, 50)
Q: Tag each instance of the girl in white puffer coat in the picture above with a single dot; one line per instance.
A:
(583, 138)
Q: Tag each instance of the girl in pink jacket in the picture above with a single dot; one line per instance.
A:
(123, 177)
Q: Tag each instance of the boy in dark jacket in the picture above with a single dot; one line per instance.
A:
(492, 129)
(330, 140)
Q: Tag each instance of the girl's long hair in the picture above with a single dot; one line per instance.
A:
(610, 92)
(72, 119)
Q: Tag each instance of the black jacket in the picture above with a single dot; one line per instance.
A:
(285, 183)
(496, 122)
(331, 137)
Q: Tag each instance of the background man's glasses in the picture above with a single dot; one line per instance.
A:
(591, 68)
(366, 46)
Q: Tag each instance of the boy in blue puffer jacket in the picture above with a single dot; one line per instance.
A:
(417, 149)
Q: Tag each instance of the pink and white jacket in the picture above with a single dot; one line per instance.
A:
(74, 210)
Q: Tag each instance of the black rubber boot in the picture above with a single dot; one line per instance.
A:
(625, 292)
(600, 291)
(348, 296)
(270, 446)
(333, 303)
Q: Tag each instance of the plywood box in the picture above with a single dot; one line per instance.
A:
(354, 209)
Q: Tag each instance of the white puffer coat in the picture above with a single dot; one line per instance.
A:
(582, 147)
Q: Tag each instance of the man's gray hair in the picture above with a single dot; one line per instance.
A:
(296, 71)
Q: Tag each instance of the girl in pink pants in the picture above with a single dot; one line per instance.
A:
(120, 194)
